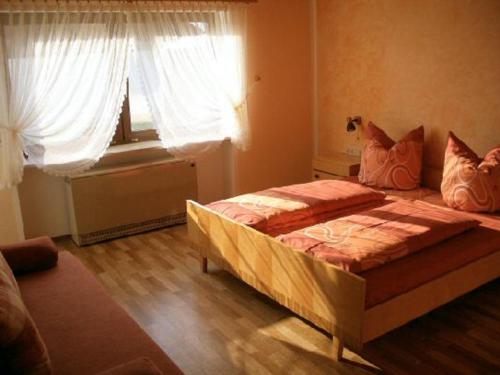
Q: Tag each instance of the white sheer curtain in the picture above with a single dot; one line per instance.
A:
(63, 80)
(192, 63)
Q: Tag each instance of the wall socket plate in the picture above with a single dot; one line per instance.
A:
(353, 151)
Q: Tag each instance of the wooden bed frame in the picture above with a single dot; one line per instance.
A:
(325, 295)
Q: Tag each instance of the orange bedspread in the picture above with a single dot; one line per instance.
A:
(376, 236)
(281, 210)
(404, 274)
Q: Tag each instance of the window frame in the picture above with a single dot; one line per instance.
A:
(124, 133)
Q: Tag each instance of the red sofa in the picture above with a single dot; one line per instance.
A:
(84, 330)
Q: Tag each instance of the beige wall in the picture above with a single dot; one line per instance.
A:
(11, 225)
(280, 106)
(401, 63)
(43, 204)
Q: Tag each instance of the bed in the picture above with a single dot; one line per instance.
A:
(354, 308)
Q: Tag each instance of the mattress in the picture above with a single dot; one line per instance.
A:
(281, 210)
(404, 274)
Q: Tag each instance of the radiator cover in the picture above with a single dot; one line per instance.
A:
(114, 202)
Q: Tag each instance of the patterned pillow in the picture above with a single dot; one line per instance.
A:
(469, 183)
(387, 164)
(22, 351)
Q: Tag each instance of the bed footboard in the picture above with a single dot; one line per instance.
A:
(321, 293)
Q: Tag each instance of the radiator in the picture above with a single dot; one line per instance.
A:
(120, 201)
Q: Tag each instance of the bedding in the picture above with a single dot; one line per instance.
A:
(284, 209)
(389, 164)
(377, 236)
(393, 194)
(435, 261)
(469, 182)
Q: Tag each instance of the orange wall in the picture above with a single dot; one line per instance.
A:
(280, 106)
(401, 63)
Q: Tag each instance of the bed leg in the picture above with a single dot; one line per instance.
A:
(204, 264)
(338, 348)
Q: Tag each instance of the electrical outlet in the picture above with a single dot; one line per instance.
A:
(353, 151)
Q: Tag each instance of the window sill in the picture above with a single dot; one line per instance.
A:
(132, 153)
(133, 146)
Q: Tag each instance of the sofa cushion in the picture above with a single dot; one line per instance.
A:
(22, 349)
(31, 255)
(85, 331)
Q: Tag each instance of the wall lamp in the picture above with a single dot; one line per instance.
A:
(352, 122)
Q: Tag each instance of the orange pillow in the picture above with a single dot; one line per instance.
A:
(469, 182)
(387, 164)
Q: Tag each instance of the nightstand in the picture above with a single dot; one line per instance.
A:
(335, 166)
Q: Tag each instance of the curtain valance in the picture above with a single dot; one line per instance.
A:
(126, 6)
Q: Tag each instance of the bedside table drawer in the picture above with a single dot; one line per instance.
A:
(334, 166)
(318, 175)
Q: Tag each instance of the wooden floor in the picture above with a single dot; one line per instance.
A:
(214, 324)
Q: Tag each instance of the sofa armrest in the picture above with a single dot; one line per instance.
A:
(36, 254)
(139, 366)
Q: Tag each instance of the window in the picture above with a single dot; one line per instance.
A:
(136, 121)
(188, 76)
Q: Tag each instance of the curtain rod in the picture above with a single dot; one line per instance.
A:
(84, 6)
